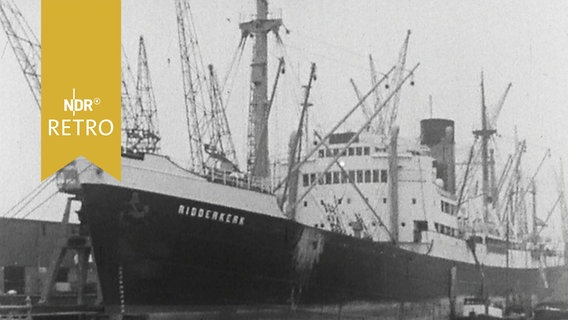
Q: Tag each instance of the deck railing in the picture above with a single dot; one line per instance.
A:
(17, 312)
(67, 180)
(248, 182)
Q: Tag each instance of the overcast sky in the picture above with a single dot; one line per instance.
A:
(523, 42)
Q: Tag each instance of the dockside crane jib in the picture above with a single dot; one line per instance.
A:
(139, 110)
(25, 45)
(192, 85)
(210, 143)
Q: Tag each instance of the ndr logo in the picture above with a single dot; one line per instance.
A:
(81, 126)
(76, 105)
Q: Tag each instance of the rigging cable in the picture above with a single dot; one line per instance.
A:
(37, 190)
(4, 50)
(40, 204)
(238, 55)
(28, 198)
(549, 214)
(283, 48)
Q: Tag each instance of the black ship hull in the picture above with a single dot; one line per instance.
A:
(163, 252)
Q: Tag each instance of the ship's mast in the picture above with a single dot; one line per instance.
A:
(563, 210)
(393, 183)
(485, 133)
(534, 218)
(258, 27)
(484, 145)
(296, 147)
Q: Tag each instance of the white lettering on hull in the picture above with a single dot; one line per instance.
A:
(211, 215)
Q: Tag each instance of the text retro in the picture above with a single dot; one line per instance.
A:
(211, 215)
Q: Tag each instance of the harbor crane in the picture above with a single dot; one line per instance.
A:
(128, 102)
(140, 133)
(207, 123)
(192, 84)
(27, 49)
(25, 45)
(221, 147)
(147, 131)
(139, 127)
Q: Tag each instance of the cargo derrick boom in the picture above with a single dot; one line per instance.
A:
(387, 118)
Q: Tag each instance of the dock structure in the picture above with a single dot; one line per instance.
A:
(28, 248)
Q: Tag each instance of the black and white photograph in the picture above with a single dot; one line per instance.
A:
(298, 160)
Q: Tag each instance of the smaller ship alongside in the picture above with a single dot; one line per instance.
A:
(551, 311)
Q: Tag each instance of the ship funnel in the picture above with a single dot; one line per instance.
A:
(438, 135)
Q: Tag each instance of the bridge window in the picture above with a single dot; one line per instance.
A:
(449, 231)
(344, 177)
(446, 207)
(359, 176)
(367, 176)
(352, 175)
(384, 176)
(328, 178)
(356, 176)
(351, 151)
(335, 177)
(376, 175)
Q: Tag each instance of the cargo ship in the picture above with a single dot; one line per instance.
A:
(361, 223)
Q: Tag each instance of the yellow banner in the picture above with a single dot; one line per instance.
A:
(80, 94)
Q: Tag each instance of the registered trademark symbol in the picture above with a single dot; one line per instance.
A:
(97, 101)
